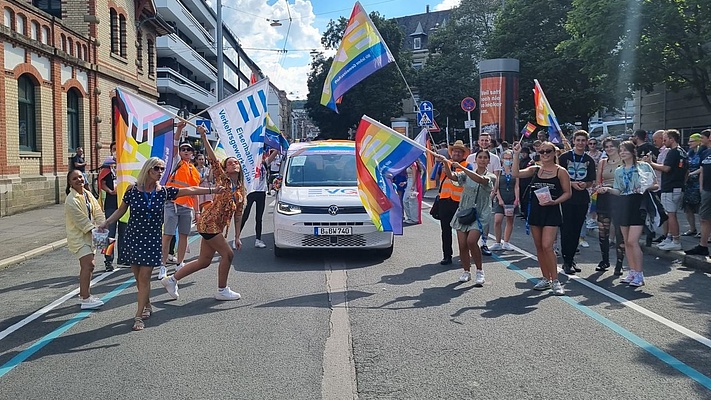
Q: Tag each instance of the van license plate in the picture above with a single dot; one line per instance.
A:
(333, 231)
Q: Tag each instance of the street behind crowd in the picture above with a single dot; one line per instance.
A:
(341, 325)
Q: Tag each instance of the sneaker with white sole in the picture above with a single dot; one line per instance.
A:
(629, 278)
(584, 243)
(591, 224)
(664, 242)
(172, 259)
(162, 272)
(557, 288)
(671, 246)
(91, 303)
(479, 280)
(542, 284)
(259, 244)
(179, 266)
(465, 276)
(507, 246)
(171, 286)
(227, 294)
(496, 247)
(638, 280)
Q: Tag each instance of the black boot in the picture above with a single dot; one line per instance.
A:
(602, 266)
(618, 268)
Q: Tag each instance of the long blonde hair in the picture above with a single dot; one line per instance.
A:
(145, 171)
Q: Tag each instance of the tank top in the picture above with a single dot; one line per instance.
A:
(507, 187)
(608, 172)
(553, 185)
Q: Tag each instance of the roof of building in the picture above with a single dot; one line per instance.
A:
(421, 25)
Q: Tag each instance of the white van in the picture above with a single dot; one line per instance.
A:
(606, 129)
(318, 206)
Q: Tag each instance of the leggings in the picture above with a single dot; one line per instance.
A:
(604, 236)
(260, 198)
(573, 219)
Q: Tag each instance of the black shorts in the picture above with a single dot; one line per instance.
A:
(208, 236)
(629, 211)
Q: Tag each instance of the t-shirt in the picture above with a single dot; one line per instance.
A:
(646, 149)
(706, 169)
(77, 159)
(494, 162)
(675, 158)
(111, 201)
(581, 168)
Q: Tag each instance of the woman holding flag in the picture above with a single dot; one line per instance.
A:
(476, 196)
(215, 218)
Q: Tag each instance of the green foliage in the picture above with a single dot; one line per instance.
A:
(379, 96)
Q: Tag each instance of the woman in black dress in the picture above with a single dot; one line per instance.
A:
(545, 217)
(145, 223)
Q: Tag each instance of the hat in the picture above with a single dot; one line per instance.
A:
(459, 145)
(695, 136)
(186, 144)
(109, 161)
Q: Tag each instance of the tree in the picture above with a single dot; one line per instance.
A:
(644, 43)
(451, 72)
(531, 31)
(379, 96)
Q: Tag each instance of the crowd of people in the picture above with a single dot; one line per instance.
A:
(625, 189)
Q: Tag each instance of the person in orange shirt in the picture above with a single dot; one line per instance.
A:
(178, 213)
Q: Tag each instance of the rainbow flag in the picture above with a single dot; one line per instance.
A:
(273, 137)
(545, 115)
(382, 153)
(361, 53)
(528, 129)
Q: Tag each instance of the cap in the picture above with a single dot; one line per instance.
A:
(186, 144)
(695, 136)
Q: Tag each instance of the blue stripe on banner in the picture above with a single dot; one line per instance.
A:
(253, 106)
(666, 358)
(243, 111)
(262, 99)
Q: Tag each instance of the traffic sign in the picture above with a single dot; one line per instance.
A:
(426, 106)
(435, 127)
(426, 114)
(468, 104)
(470, 124)
(205, 123)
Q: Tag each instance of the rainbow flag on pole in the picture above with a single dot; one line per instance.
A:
(273, 137)
(545, 115)
(382, 153)
(361, 53)
(528, 129)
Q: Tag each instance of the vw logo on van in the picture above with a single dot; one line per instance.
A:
(333, 210)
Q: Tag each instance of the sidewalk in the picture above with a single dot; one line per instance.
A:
(31, 233)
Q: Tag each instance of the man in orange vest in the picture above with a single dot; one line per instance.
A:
(449, 196)
(179, 213)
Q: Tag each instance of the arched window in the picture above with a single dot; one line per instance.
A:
(64, 43)
(85, 52)
(70, 46)
(151, 58)
(26, 113)
(45, 35)
(7, 18)
(73, 119)
(34, 31)
(122, 35)
(78, 54)
(20, 24)
(139, 49)
(114, 32)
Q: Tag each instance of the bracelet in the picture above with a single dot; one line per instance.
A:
(210, 190)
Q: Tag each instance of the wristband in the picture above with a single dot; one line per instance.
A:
(210, 190)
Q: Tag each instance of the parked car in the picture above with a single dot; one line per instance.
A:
(318, 206)
(607, 129)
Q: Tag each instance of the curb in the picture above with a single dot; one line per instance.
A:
(8, 262)
(694, 262)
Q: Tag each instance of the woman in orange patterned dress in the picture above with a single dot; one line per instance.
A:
(214, 219)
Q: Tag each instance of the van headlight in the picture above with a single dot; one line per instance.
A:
(288, 209)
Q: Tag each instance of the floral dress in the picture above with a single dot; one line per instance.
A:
(217, 215)
(145, 224)
(474, 195)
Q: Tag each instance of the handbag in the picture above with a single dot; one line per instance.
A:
(434, 210)
(467, 216)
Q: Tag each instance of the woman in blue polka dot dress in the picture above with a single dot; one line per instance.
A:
(143, 235)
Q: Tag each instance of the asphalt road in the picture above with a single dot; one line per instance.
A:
(339, 325)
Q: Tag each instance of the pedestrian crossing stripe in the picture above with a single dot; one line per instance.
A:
(425, 120)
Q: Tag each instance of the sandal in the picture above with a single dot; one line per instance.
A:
(147, 311)
(138, 324)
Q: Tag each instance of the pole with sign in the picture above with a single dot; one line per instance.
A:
(468, 105)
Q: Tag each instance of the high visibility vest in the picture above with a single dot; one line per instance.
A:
(448, 190)
(184, 176)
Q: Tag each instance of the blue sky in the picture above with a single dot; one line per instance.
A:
(250, 20)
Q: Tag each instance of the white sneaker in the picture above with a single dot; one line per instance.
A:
(664, 242)
(162, 272)
(91, 303)
(259, 244)
(496, 247)
(172, 259)
(557, 288)
(227, 294)
(542, 284)
(171, 286)
(584, 244)
(591, 224)
(671, 246)
(465, 276)
(479, 280)
(507, 246)
(179, 266)
(629, 278)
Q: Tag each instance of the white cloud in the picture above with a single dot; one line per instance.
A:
(447, 5)
(251, 21)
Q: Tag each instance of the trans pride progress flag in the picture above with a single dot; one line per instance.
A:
(362, 52)
(381, 153)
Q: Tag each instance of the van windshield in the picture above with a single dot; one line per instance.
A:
(321, 169)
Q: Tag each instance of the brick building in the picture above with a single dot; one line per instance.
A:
(61, 61)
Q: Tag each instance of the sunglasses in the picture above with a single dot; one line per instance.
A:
(186, 149)
(546, 151)
(158, 168)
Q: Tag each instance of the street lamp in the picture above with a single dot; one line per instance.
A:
(274, 22)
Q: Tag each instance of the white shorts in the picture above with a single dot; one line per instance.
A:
(673, 202)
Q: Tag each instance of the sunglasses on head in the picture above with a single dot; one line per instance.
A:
(158, 168)
(546, 151)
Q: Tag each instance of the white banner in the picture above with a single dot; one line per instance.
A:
(239, 121)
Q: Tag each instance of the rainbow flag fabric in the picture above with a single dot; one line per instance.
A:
(528, 129)
(382, 153)
(361, 53)
(273, 137)
(545, 115)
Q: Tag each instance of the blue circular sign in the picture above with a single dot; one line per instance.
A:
(468, 104)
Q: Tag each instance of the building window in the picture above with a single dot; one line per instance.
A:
(417, 43)
(122, 35)
(26, 113)
(70, 46)
(79, 55)
(20, 22)
(417, 65)
(53, 7)
(73, 119)
(139, 49)
(85, 52)
(114, 32)
(7, 18)
(64, 43)
(45, 35)
(34, 31)
(151, 58)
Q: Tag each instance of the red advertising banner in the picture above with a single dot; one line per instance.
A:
(492, 101)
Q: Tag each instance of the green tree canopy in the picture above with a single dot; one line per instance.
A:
(379, 96)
